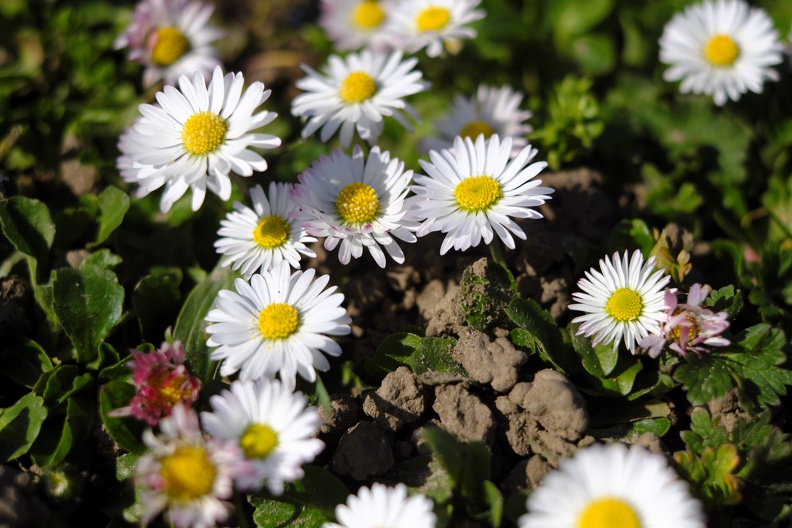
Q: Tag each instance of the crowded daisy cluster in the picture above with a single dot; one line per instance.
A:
(456, 362)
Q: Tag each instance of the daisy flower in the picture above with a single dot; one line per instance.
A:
(162, 382)
(472, 190)
(188, 477)
(171, 38)
(277, 323)
(688, 326)
(622, 301)
(357, 202)
(196, 136)
(355, 93)
(724, 49)
(613, 486)
(491, 111)
(272, 425)
(382, 506)
(260, 238)
(429, 24)
(355, 24)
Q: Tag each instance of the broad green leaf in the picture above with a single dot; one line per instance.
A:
(88, 304)
(191, 326)
(599, 360)
(125, 431)
(428, 357)
(126, 466)
(103, 258)
(54, 444)
(113, 204)
(318, 489)
(25, 361)
(540, 333)
(494, 499)
(56, 385)
(395, 351)
(107, 357)
(156, 299)
(726, 299)
(704, 378)
(468, 463)
(272, 513)
(622, 378)
(27, 224)
(20, 425)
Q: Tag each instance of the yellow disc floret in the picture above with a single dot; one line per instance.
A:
(358, 86)
(258, 441)
(609, 513)
(169, 45)
(624, 305)
(203, 132)
(357, 203)
(271, 232)
(432, 19)
(721, 51)
(473, 129)
(477, 193)
(278, 321)
(169, 388)
(368, 15)
(187, 474)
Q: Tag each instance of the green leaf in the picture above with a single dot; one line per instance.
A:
(704, 378)
(25, 361)
(51, 449)
(428, 357)
(27, 224)
(125, 431)
(88, 304)
(103, 258)
(156, 299)
(271, 513)
(318, 489)
(484, 291)
(58, 384)
(726, 299)
(599, 360)
(107, 357)
(539, 333)
(468, 463)
(191, 326)
(113, 204)
(494, 499)
(20, 425)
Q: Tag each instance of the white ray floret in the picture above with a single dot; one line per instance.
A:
(721, 48)
(196, 136)
(355, 24)
(382, 506)
(473, 191)
(623, 301)
(613, 486)
(277, 324)
(171, 38)
(260, 238)
(490, 111)
(431, 24)
(357, 202)
(355, 93)
(272, 425)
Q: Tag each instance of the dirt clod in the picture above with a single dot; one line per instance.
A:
(463, 414)
(495, 362)
(343, 413)
(363, 451)
(399, 400)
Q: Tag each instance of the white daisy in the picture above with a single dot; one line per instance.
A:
(472, 190)
(185, 475)
(722, 48)
(259, 238)
(357, 202)
(355, 24)
(622, 301)
(613, 486)
(197, 136)
(491, 111)
(171, 38)
(384, 507)
(356, 92)
(431, 23)
(272, 425)
(278, 323)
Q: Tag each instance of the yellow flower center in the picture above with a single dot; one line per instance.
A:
(357, 203)
(692, 331)
(271, 232)
(609, 513)
(188, 474)
(477, 193)
(358, 86)
(474, 128)
(169, 392)
(624, 305)
(432, 19)
(258, 441)
(721, 51)
(368, 15)
(203, 132)
(169, 46)
(278, 321)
